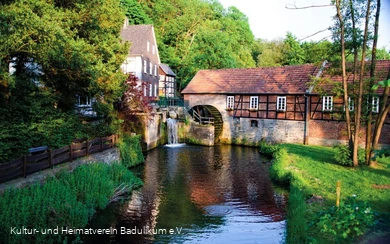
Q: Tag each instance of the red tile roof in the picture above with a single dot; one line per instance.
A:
(270, 80)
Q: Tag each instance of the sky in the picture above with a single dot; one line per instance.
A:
(270, 19)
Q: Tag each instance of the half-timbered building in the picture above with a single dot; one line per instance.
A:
(278, 104)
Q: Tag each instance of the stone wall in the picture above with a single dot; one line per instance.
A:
(153, 133)
(250, 131)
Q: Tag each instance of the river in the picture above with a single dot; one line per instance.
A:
(195, 194)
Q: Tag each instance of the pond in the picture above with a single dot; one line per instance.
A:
(195, 194)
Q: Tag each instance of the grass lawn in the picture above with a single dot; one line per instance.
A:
(314, 171)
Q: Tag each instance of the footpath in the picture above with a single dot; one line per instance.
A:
(108, 156)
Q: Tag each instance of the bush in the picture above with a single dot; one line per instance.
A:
(277, 169)
(350, 219)
(131, 151)
(268, 149)
(343, 155)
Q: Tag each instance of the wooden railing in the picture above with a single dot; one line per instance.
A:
(29, 164)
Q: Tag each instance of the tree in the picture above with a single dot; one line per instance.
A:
(132, 103)
(294, 53)
(200, 34)
(135, 13)
(75, 47)
(350, 14)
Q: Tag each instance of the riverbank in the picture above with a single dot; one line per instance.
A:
(312, 174)
(66, 200)
(38, 209)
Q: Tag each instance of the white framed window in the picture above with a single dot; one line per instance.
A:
(151, 68)
(155, 91)
(83, 101)
(327, 103)
(351, 104)
(155, 70)
(145, 92)
(281, 103)
(145, 66)
(153, 49)
(148, 46)
(254, 102)
(150, 90)
(230, 102)
(375, 104)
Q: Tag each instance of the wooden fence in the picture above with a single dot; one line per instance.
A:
(29, 164)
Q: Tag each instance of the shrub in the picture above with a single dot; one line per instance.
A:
(268, 149)
(277, 169)
(343, 155)
(131, 151)
(350, 219)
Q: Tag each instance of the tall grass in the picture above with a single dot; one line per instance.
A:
(66, 200)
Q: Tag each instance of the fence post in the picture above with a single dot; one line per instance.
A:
(50, 158)
(338, 189)
(24, 166)
(87, 149)
(71, 152)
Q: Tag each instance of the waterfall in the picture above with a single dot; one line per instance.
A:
(173, 136)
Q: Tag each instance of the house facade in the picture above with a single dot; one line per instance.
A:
(143, 59)
(277, 104)
(167, 85)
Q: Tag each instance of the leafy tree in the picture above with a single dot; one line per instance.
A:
(57, 49)
(294, 53)
(350, 14)
(75, 46)
(269, 53)
(200, 34)
(135, 13)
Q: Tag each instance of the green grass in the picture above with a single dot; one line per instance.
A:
(314, 171)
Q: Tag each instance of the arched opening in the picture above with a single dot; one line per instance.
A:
(207, 114)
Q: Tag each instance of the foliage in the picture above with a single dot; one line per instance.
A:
(296, 219)
(135, 13)
(66, 200)
(277, 169)
(313, 170)
(350, 220)
(71, 48)
(293, 51)
(199, 34)
(132, 103)
(268, 149)
(384, 83)
(343, 155)
(131, 151)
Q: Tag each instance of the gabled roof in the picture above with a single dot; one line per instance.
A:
(138, 35)
(167, 70)
(270, 80)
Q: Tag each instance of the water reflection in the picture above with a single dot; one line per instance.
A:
(219, 194)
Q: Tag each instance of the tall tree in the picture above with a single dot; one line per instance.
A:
(200, 34)
(293, 51)
(75, 45)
